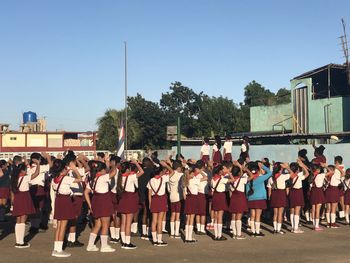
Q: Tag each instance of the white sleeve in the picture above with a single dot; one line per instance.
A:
(244, 147)
(269, 183)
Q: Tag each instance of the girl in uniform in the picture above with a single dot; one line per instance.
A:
(4, 188)
(100, 205)
(317, 197)
(176, 199)
(217, 158)
(221, 177)
(256, 193)
(158, 202)
(191, 186)
(114, 228)
(346, 183)
(298, 172)
(238, 200)
(205, 151)
(332, 195)
(128, 199)
(64, 209)
(228, 148)
(22, 201)
(202, 198)
(278, 195)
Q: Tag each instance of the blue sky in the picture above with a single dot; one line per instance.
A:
(64, 59)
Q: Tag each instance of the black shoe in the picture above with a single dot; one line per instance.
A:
(113, 240)
(162, 244)
(24, 245)
(154, 243)
(274, 232)
(259, 235)
(199, 233)
(76, 243)
(131, 246)
(145, 237)
(222, 238)
(34, 230)
(281, 232)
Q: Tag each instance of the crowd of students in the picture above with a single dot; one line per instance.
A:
(119, 199)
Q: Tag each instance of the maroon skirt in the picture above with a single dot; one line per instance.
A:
(102, 205)
(217, 158)
(332, 194)
(257, 204)
(4, 193)
(202, 205)
(77, 204)
(64, 209)
(23, 204)
(238, 203)
(317, 196)
(228, 157)
(128, 203)
(296, 197)
(205, 159)
(219, 201)
(347, 197)
(114, 201)
(175, 207)
(191, 204)
(159, 203)
(278, 198)
(39, 196)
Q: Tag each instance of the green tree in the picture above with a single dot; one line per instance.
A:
(256, 95)
(283, 96)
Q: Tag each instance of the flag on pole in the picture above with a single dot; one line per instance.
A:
(121, 142)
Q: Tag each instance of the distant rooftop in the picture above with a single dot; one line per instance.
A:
(320, 69)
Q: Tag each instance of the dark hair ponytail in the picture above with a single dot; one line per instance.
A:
(15, 176)
(124, 167)
(95, 167)
(57, 167)
(218, 141)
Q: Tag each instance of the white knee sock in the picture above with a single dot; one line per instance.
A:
(347, 218)
(134, 227)
(252, 226)
(104, 242)
(58, 246)
(112, 232)
(18, 234)
(275, 225)
(202, 228)
(239, 227)
(279, 226)
(122, 235)
(198, 226)
(233, 226)
(144, 230)
(154, 237)
(317, 222)
(333, 217)
(159, 237)
(219, 230)
(172, 228)
(296, 221)
(186, 232)
(328, 218)
(71, 237)
(292, 220)
(177, 228)
(163, 226)
(92, 239)
(341, 214)
(190, 230)
(307, 216)
(257, 227)
(216, 230)
(117, 232)
(127, 239)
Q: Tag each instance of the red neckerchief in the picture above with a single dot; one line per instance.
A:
(126, 174)
(277, 175)
(256, 175)
(157, 177)
(58, 179)
(293, 175)
(216, 177)
(196, 173)
(22, 174)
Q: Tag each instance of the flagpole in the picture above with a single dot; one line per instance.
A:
(126, 100)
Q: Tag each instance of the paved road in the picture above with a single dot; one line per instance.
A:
(331, 245)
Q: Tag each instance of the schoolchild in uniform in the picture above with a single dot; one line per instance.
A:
(190, 188)
(39, 190)
(4, 188)
(205, 150)
(217, 157)
(298, 172)
(158, 202)
(338, 161)
(238, 200)
(176, 198)
(346, 183)
(22, 201)
(333, 178)
(114, 228)
(202, 198)
(64, 209)
(256, 193)
(100, 205)
(228, 148)
(148, 168)
(245, 148)
(77, 190)
(128, 199)
(317, 197)
(221, 177)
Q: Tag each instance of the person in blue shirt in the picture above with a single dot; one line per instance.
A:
(256, 195)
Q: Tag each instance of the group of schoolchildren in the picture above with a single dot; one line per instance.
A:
(173, 195)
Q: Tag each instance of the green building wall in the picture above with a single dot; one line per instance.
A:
(269, 118)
